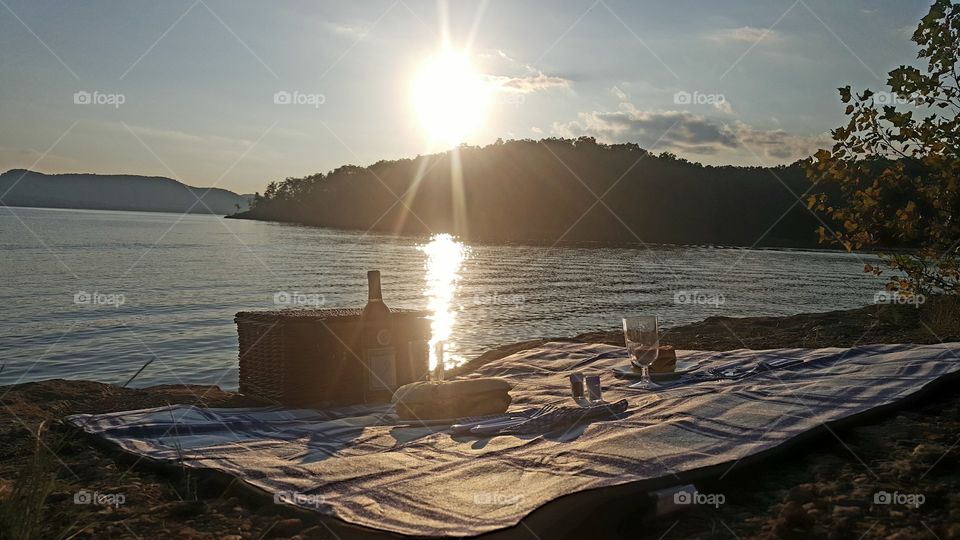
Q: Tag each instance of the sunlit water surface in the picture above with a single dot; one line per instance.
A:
(95, 294)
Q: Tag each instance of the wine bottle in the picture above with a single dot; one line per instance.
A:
(379, 354)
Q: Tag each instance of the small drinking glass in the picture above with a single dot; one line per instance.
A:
(642, 338)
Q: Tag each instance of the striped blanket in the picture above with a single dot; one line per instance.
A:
(361, 465)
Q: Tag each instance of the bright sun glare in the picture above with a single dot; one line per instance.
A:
(450, 98)
(445, 256)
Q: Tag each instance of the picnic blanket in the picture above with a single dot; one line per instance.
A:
(363, 466)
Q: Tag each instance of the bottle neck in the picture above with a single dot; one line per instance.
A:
(374, 293)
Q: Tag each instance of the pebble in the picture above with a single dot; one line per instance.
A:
(803, 493)
(313, 533)
(188, 532)
(286, 527)
(183, 509)
(846, 511)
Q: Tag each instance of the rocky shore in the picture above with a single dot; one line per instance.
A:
(821, 489)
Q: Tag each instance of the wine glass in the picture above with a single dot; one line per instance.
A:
(641, 336)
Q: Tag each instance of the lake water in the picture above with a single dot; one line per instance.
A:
(96, 294)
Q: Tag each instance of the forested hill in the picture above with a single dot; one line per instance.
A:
(544, 191)
(20, 187)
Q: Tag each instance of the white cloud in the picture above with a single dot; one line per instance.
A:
(723, 106)
(534, 82)
(745, 34)
(506, 74)
(352, 31)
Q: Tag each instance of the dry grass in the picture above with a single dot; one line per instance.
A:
(22, 507)
(943, 317)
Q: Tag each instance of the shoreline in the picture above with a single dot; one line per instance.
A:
(534, 242)
(816, 490)
(597, 244)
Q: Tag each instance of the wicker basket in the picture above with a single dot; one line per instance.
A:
(312, 358)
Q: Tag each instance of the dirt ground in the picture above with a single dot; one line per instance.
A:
(822, 489)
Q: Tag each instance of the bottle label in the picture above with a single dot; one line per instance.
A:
(382, 368)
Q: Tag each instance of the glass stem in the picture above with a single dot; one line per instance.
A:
(645, 374)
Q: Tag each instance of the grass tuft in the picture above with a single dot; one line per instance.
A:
(22, 508)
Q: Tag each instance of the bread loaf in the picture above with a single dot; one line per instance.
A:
(666, 361)
(432, 400)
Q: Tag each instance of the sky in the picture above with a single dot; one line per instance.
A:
(237, 93)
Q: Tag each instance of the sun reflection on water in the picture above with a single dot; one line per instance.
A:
(445, 257)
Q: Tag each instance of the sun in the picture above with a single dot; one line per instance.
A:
(450, 98)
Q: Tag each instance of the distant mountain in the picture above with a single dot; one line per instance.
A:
(545, 191)
(19, 187)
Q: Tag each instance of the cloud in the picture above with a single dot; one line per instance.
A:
(352, 31)
(678, 130)
(723, 106)
(684, 132)
(506, 74)
(29, 158)
(745, 34)
(534, 82)
(779, 144)
(178, 136)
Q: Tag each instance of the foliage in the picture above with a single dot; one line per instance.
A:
(897, 165)
(547, 191)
